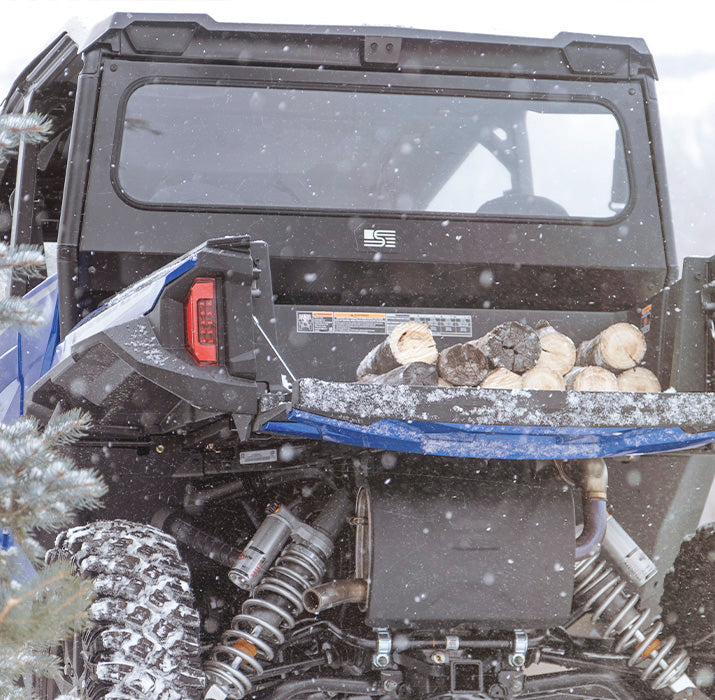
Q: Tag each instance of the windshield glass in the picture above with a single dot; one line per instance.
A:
(205, 146)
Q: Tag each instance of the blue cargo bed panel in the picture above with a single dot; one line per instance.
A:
(498, 423)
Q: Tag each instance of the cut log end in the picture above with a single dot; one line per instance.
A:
(638, 379)
(591, 379)
(502, 378)
(408, 342)
(558, 351)
(542, 378)
(462, 365)
(620, 346)
(511, 345)
(412, 342)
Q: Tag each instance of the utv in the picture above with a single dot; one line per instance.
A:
(240, 214)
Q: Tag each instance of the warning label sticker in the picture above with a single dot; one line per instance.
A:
(645, 318)
(368, 323)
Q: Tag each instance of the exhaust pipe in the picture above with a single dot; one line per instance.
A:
(593, 480)
(328, 595)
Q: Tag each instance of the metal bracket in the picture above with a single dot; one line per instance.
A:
(451, 642)
(382, 655)
(707, 296)
(521, 643)
(382, 50)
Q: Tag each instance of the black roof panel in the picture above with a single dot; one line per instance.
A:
(196, 37)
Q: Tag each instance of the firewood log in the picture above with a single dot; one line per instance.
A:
(618, 347)
(541, 377)
(408, 342)
(638, 379)
(591, 379)
(502, 378)
(415, 373)
(558, 351)
(462, 365)
(512, 345)
(367, 378)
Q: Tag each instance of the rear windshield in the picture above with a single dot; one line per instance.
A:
(207, 146)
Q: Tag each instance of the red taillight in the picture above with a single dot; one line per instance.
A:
(200, 321)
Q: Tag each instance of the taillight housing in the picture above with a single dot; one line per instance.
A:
(201, 321)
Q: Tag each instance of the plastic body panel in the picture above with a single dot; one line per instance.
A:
(25, 356)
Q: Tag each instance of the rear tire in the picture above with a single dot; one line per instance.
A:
(688, 604)
(145, 641)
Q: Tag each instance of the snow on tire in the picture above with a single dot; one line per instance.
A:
(145, 642)
(689, 606)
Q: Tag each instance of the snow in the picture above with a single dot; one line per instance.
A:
(366, 403)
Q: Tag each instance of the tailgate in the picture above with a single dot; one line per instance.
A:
(499, 423)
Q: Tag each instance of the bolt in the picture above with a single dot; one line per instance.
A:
(159, 449)
(518, 659)
(390, 684)
(517, 685)
(381, 660)
(439, 657)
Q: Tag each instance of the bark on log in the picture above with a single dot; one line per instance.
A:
(367, 378)
(415, 373)
(462, 365)
(512, 345)
(542, 378)
(408, 342)
(502, 379)
(558, 351)
(591, 379)
(638, 379)
(618, 347)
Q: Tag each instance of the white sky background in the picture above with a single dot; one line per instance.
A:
(669, 28)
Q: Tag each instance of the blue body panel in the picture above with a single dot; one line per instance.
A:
(18, 563)
(25, 357)
(489, 441)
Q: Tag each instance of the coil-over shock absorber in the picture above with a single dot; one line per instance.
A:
(276, 586)
(601, 590)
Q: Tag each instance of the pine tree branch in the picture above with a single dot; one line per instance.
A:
(16, 128)
(25, 259)
(19, 312)
(46, 610)
(67, 427)
(12, 602)
(40, 488)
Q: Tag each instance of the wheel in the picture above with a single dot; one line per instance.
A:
(144, 644)
(688, 604)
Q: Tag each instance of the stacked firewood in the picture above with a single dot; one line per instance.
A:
(513, 356)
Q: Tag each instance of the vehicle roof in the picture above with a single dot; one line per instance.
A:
(197, 37)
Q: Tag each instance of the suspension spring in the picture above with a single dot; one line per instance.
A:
(601, 591)
(266, 615)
